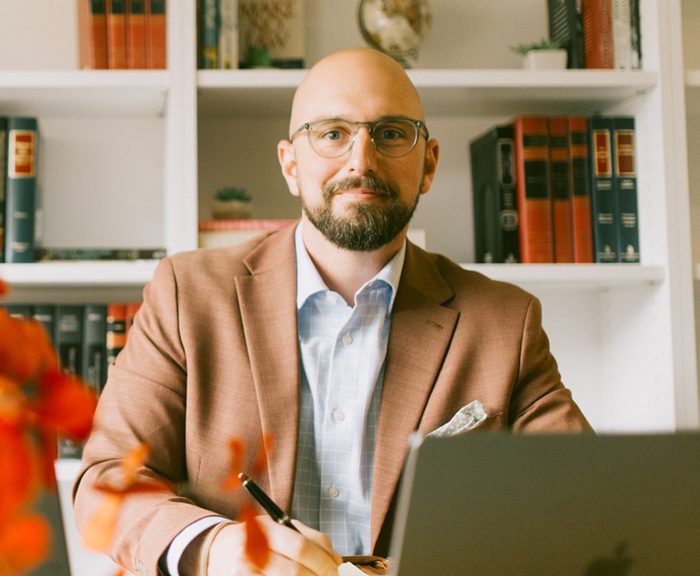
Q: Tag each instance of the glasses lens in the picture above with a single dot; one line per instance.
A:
(331, 138)
(395, 137)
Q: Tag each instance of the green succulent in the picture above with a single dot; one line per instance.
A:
(240, 194)
(541, 45)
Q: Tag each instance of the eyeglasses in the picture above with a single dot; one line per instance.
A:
(392, 137)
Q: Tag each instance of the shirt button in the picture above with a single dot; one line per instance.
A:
(347, 339)
(333, 491)
(338, 415)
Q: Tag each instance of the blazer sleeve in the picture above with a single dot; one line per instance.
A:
(539, 401)
(144, 400)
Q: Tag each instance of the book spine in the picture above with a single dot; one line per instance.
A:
(566, 28)
(635, 35)
(561, 189)
(605, 243)
(95, 346)
(156, 35)
(69, 345)
(622, 34)
(97, 35)
(625, 182)
(45, 314)
(20, 311)
(598, 33)
(533, 189)
(116, 34)
(494, 197)
(3, 184)
(116, 330)
(20, 194)
(579, 173)
(210, 34)
(228, 34)
(125, 254)
(136, 34)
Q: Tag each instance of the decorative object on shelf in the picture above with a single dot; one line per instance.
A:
(396, 27)
(542, 55)
(258, 57)
(231, 203)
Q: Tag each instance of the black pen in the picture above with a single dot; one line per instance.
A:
(275, 512)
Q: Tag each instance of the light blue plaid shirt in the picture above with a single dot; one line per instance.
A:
(342, 360)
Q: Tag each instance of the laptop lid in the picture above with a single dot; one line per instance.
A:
(539, 505)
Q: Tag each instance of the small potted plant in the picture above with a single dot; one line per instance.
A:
(231, 203)
(542, 54)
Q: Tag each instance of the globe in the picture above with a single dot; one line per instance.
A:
(396, 27)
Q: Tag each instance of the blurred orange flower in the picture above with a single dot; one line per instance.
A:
(38, 402)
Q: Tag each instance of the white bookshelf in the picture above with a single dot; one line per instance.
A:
(130, 159)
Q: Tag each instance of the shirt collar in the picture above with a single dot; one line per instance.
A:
(309, 281)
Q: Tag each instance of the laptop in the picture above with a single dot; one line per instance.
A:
(549, 505)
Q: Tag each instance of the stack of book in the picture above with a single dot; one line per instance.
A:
(122, 34)
(597, 33)
(87, 339)
(556, 189)
(250, 33)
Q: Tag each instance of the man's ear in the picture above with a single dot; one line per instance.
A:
(285, 154)
(432, 152)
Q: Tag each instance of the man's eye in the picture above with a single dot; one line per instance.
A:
(391, 134)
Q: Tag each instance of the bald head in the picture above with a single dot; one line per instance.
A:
(359, 84)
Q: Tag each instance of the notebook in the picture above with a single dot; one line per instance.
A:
(545, 505)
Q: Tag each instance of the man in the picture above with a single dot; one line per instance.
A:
(335, 337)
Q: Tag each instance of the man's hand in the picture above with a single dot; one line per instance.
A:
(307, 554)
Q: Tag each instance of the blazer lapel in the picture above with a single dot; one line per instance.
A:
(421, 330)
(268, 297)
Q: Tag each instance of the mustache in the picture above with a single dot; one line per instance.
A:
(373, 183)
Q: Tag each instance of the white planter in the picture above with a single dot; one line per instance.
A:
(545, 59)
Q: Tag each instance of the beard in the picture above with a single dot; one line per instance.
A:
(366, 227)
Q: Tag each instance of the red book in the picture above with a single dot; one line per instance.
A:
(531, 136)
(131, 309)
(582, 216)
(116, 34)
(92, 34)
(136, 34)
(116, 330)
(561, 189)
(155, 35)
(598, 39)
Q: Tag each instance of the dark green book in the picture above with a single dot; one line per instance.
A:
(69, 347)
(94, 353)
(22, 144)
(45, 314)
(603, 201)
(625, 183)
(3, 183)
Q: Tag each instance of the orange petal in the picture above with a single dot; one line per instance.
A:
(65, 405)
(256, 545)
(237, 449)
(24, 543)
(18, 470)
(25, 349)
(99, 531)
(134, 460)
(4, 288)
(260, 464)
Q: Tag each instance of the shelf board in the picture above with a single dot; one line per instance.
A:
(582, 277)
(71, 274)
(84, 93)
(444, 92)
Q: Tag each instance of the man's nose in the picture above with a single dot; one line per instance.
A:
(363, 155)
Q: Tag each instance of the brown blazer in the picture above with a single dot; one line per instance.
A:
(213, 355)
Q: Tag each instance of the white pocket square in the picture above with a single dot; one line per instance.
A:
(465, 419)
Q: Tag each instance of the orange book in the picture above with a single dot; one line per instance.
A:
(116, 330)
(561, 189)
(136, 34)
(598, 34)
(531, 137)
(116, 34)
(92, 34)
(131, 309)
(155, 35)
(581, 212)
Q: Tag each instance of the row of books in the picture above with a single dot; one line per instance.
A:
(122, 34)
(250, 34)
(597, 33)
(556, 189)
(87, 339)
